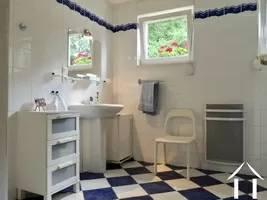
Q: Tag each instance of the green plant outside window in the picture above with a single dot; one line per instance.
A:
(168, 38)
(79, 50)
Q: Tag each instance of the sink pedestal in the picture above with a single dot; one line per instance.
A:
(93, 145)
(93, 136)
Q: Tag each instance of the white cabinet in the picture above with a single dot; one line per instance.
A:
(48, 152)
(119, 138)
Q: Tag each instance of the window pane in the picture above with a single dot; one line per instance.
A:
(168, 38)
(80, 50)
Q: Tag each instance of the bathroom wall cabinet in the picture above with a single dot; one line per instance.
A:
(47, 152)
(119, 138)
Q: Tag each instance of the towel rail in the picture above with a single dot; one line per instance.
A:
(140, 81)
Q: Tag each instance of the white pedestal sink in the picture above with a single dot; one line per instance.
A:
(93, 137)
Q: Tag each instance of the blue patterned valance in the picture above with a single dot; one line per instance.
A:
(132, 26)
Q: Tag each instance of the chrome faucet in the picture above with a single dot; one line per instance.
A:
(87, 101)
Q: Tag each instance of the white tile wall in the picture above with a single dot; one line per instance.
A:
(223, 70)
(255, 136)
(4, 16)
(225, 48)
(256, 117)
(42, 49)
(263, 117)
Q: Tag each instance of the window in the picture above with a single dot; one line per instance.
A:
(165, 37)
(80, 50)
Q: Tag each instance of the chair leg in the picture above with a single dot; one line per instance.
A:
(164, 153)
(155, 157)
(188, 162)
(20, 194)
(195, 142)
(48, 197)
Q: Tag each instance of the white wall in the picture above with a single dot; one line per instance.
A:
(225, 48)
(42, 49)
(259, 139)
(4, 16)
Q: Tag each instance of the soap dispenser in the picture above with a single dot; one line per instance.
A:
(61, 103)
(53, 105)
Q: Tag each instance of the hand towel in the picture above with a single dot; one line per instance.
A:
(149, 98)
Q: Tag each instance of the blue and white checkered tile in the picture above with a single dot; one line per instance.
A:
(135, 181)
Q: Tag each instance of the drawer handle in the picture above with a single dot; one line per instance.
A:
(64, 165)
(64, 140)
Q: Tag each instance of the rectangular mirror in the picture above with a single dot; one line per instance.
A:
(80, 50)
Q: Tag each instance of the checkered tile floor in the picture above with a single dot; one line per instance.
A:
(135, 181)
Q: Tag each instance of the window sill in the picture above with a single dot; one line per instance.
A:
(80, 67)
(164, 62)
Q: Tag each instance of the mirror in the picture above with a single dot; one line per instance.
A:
(84, 54)
(80, 47)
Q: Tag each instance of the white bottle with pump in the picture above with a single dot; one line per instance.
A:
(61, 103)
(53, 105)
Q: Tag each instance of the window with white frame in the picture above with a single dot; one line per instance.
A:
(166, 36)
(262, 30)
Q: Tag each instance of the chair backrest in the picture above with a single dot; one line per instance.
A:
(181, 113)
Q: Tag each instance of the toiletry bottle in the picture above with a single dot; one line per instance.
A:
(53, 105)
(61, 103)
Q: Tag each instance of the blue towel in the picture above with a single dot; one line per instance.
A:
(149, 98)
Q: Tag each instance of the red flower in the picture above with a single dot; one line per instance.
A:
(169, 49)
(175, 44)
(82, 55)
(89, 57)
(185, 45)
(163, 47)
(160, 51)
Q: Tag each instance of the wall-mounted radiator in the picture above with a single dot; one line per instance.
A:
(224, 133)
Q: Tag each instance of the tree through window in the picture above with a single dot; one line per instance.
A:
(166, 36)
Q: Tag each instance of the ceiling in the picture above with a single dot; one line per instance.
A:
(118, 1)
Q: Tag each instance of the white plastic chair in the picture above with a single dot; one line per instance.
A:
(177, 113)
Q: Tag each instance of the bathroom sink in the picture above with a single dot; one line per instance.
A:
(97, 110)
